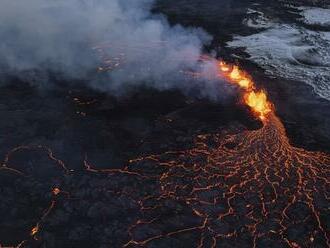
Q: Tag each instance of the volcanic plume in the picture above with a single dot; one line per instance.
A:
(43, 38)
(235, 187)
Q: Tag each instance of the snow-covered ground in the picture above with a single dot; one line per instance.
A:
(291, 51)
(316, 16)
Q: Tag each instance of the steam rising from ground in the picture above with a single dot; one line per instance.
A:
(57, 35)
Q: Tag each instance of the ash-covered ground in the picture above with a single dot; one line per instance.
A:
(88, 169)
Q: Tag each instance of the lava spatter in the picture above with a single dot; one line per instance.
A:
(255, 99)
(249, 189)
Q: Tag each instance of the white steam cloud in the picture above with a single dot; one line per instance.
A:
(58, 35)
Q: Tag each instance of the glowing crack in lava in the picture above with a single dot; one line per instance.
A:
(247, 189)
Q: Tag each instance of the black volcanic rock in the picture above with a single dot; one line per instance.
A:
(99, 206)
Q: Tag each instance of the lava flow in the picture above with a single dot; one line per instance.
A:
(252, 190)
(237, 188)
(256, 100)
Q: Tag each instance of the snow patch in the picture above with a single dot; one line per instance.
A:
(315, 16)
(291, 52)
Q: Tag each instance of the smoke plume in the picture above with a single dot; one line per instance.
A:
(67, 37)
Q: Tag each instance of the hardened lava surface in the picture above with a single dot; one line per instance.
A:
(235, 188)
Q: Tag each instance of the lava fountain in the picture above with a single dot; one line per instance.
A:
(256, 100)
(247, 189)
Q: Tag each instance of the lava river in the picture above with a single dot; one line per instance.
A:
(233, 189)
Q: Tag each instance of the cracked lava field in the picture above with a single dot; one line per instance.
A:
(237, 188)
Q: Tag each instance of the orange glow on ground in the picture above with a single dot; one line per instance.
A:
(248, 187)
(34, 230)
(56, 191)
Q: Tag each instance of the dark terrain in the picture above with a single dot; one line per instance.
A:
(308, 128)
(52, 136)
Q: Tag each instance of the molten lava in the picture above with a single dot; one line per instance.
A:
(256, 100)
(236, 74)
(56, 191)
(34, 230)
(246, 189)
(224, 67)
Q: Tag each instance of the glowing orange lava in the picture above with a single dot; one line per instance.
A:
(255, 99)
(34, 230)
(56, 191)
(246, 189)
(223, 66)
